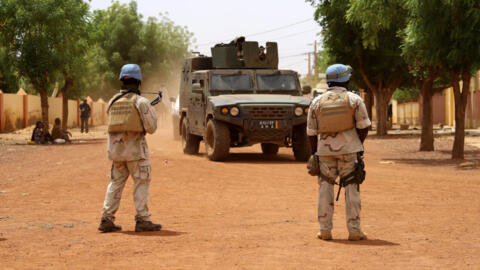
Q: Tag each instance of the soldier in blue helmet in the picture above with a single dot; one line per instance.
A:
(337, 125)
(130, 117)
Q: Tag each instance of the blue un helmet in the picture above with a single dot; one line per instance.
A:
(338, 73)
(132, 71)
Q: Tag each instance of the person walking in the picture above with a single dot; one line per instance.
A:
(84, 115)
(130, 117)
(337, 125)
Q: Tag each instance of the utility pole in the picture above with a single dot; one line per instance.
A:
(315, 70)
(309, 76)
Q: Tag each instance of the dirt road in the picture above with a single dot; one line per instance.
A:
(420, 210)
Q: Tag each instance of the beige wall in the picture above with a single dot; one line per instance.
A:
(407, 113)
(34, 113)
(72, 113)
(54, 109)
(13, 109)
(97, 113)
(12, 114)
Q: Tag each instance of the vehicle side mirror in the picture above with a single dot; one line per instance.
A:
(306, 89)
(197, 88)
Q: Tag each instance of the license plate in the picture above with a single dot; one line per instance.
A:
(268, 124)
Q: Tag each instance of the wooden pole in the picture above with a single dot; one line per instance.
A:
(309, 76)
(315, 71)
(78, 113)
(25, 111)
(2, 114)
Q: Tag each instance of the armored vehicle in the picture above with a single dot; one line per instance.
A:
(239, 97)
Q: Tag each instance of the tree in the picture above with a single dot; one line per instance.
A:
(8, 74)
(157, 45)
(35, 32)
(381, 69)
(445, 34)
(72, 54)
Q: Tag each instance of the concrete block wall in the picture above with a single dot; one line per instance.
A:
(20, 110)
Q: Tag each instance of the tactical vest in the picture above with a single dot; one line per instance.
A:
(334, 113)
(123, 115)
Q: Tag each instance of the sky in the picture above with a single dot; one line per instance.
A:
(288, 22)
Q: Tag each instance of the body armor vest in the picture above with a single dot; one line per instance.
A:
(334, 113)
(123, 115)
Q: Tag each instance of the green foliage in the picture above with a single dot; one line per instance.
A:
(406, 95)
(323, 61)
(121, 36)
(36, 32)
(8, 74)
(445, 33)
(48, 41)
(351, 41)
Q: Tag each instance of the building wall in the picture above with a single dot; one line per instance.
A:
(97, 113)
(407, 113)
(72, 113)
(54, 109)
(15, 112)
(34, 110)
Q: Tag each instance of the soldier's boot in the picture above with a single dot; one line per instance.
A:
(324, 235)
(146, 226)
(107, 225)
(357, 236)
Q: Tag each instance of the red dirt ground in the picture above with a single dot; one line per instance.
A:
(420, 210)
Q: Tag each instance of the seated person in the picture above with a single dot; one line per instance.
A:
(40, 134)
(37, 134)
(60, 135)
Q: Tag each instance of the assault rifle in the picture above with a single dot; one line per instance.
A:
(157, 100)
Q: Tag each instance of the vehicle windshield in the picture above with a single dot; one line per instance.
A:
(277, 82)
(230, 82)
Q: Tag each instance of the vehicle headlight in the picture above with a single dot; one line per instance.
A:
(224, 110)
(298, 111)
(234, 111)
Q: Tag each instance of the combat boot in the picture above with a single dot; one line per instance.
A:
(147, 226)
(107, 225)
(324, 235)
(357, 236)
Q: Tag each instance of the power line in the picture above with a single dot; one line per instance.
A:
(279, 28)
(295, 55)
(295, 34)
(260, 33)
(294, 63)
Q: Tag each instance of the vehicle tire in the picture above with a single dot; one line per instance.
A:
(217, 140)
(190, 142)
(270, 149)
(301, 145)
(176, 128)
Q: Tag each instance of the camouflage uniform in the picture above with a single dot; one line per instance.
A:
(130, 156)
(337, 156)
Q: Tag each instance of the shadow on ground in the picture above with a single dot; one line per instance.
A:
(368, 242)
(157, 233)
(435, 162)
(257, 158)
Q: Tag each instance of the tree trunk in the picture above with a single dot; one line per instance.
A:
(426, 138)
(382, 98)
(460, 96)
(64, 90)
(369, 102)
(44, 104)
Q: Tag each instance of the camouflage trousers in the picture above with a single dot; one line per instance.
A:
(140, 171)
(332, 167)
